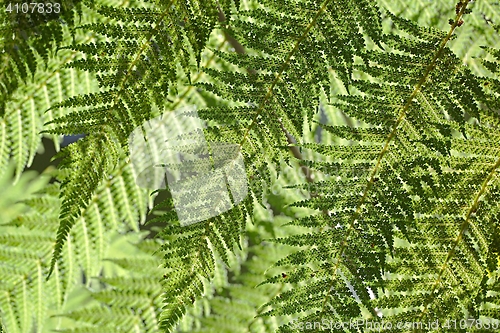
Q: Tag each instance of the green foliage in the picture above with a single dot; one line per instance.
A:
(26, 35)
(28, 239)
(128, 302)
(27, 41)
(387, 113)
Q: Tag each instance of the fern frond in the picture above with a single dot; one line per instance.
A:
(77, 191)
(24, 256)
(138, 73)
(473, 34)
(129, 301)
(140, 65)
(26, 35)
(232, 305)
(24, 105)
(403, 191)
(417, 91)
(117, 206)
(189, 259)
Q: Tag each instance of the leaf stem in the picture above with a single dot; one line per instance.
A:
(385, 149)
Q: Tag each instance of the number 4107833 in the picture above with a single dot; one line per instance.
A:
(34, 7)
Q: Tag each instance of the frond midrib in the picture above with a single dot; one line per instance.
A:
(403, 112)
